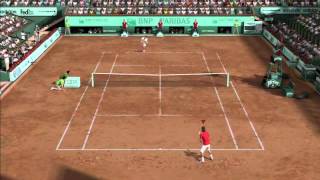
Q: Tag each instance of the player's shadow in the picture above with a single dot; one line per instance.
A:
(3, 177)
(194, 155)
(67, 173)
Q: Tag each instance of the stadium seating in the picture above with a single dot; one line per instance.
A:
(157, 10)
(157, 3)
(34, 3)
(12, 47)
(302, 3)
(172, 7)
(9, 24)
(301, 35)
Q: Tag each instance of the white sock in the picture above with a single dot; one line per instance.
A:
(211, 157)
(202, 159)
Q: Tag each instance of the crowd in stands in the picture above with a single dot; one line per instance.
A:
(10, 24)
(186, 3)
(12, 48)
(164, 7)
(301, 35)
(75, 3)
(302, 3)
(193, 10)
(104, 3)
(27, 3)
(173, 7)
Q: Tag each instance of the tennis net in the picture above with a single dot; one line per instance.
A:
(165, 80)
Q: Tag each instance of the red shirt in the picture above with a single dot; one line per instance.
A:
(195, 25)
(205, 137)
(278, 52)
(124, 25)
(160, 25)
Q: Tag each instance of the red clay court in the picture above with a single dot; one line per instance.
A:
(141, 119)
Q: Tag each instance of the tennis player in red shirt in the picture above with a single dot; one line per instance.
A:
(160, 26)
(124, 25)
(205, 142)
(195, 26)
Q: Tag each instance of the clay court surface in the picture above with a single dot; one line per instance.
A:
(146, 127)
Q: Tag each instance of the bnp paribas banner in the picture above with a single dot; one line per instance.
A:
(87, 21)
(29, 11)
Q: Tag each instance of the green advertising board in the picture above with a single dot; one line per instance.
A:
(287, 10)
(273, 40)
(29, 11)
(145, 21)
(289, 55)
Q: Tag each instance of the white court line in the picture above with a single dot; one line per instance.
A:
(78, 104)
(98, 106)
(221, 105)
(224, 68)
(247, 116)
(160, 92)
(164, 75)
(205, 61)
(243, 107)
(227, 119)
(141, 115)
(156, 149)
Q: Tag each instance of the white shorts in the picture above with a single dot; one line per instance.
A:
(204, 148)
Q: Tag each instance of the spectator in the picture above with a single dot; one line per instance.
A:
(301, 36)
(23, 35)
(37, 36)
(6, 60)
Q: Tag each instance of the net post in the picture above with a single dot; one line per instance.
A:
(92, 80)
(228, 79)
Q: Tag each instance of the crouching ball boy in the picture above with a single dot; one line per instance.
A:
(59, 84)
(205, 143)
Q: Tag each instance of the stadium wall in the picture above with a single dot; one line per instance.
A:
(29, 11)
(207, 24)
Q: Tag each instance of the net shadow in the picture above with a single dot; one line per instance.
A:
(172, 81)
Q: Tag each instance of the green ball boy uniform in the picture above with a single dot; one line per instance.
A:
(60, 82)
